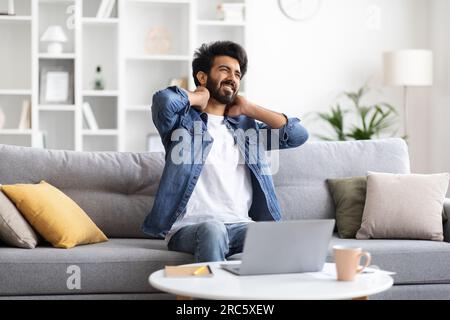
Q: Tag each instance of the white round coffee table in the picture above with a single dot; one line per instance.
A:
(224, 285)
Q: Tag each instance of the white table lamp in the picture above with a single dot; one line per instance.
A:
(408, 68)
(55, 36)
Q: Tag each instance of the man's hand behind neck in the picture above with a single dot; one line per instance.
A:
(198, 98)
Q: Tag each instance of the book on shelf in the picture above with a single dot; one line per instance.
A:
(89, 116)
(25, 115)
(102, 8)
(105, 9)
(109, 9)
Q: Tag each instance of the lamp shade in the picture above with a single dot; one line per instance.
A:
(408, 68)
(54, 34)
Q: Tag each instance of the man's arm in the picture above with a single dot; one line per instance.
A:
(169, 103)
(290, 133)
(271, 118)
(198, 98)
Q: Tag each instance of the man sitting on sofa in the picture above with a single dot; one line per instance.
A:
(213, 183)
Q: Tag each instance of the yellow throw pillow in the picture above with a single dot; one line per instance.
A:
(54, 215)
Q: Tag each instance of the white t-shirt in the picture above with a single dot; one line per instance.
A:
(224, 190)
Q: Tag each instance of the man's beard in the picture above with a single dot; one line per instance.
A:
(214, 91)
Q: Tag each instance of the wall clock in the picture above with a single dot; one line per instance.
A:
(299, 10)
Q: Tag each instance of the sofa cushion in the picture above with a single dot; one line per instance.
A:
(414, 261)
(14, 229)
(54, 215)
(404, 206)
(300, 180)
(116, 189)
(116, 266)
(349, 195)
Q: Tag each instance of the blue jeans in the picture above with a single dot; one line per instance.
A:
(209, 241)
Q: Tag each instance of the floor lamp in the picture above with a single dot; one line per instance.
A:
(408, 68)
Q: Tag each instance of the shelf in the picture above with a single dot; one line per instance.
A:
(56, 56)
(15, 53)
(56, 107)
(15, 19)
(101, 132)
(132, 66)
(138, 108)
(91, 9)
(220, 23)
(56, 12)
(100, 143)
(65, 2)
(59, 129)
(159, 58)
(162, 20)
(15, 92)
(161, 1)
(215, 33)
(100, 93)
(10, 132)
(137, 126)
(100, 21)
(142, 79)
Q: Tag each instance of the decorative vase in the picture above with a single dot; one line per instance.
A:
(158, 41)
(99, 82)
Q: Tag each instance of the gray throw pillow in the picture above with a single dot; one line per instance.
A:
(349, 195)
(14, 229)
(404, 206)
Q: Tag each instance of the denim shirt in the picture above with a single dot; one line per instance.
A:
(185, 137)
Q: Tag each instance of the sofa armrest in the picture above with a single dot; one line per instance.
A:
(447, 224)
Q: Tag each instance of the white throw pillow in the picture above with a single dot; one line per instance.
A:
(404, 206)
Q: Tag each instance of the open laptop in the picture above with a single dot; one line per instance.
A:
(284, 247)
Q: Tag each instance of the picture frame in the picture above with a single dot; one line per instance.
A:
(56, 85)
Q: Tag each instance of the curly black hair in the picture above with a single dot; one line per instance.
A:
(204, 57)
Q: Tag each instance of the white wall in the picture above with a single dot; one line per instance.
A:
(300, 67)
(440, 108)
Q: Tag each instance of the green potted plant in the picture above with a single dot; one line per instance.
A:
(372, 119)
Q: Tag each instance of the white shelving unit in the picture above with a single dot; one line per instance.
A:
(15, 78)
(56, 56)
(15, 19)
(132, 67)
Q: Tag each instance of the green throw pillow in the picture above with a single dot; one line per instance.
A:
(349, 195)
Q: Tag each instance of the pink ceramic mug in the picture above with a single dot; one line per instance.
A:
(347, 261)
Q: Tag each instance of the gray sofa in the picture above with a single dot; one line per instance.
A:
(117, 191)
